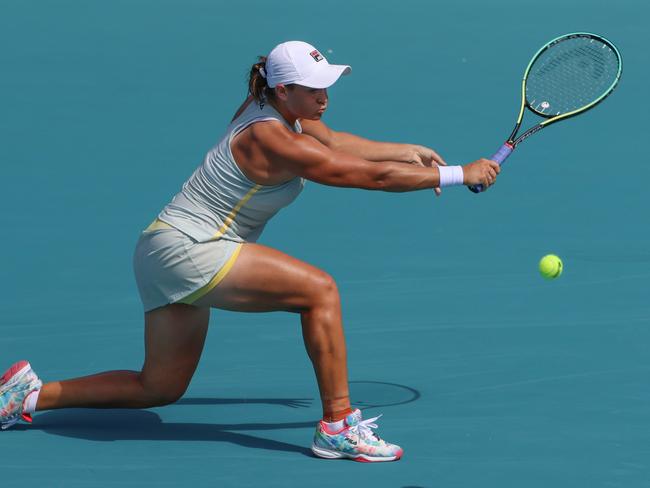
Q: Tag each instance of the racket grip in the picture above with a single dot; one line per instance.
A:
(499, 157)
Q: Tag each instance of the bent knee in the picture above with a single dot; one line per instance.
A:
(323, 290)
(158, 395)
(167, 398)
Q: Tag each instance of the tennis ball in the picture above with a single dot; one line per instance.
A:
(550, 266)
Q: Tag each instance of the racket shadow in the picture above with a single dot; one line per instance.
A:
(368, 395)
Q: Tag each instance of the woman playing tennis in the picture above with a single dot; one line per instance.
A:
(200, 252)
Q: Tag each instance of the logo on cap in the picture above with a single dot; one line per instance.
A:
(316, 55)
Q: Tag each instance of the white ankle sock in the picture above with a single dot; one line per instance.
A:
(335, 426)
(29, 404)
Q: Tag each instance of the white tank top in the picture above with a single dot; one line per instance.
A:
(219, 201)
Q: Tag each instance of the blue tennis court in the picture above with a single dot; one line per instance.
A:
(485, 373)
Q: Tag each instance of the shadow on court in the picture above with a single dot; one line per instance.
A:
(130, 424)
(286, 402)
(143, 425)
(364, 394)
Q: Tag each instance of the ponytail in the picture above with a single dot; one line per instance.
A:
(257, 86)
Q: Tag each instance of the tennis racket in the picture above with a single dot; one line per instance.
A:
(568, 76)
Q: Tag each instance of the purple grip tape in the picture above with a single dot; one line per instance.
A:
(503, 153)
(500, 156)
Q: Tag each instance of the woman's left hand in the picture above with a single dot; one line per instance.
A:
(423, 156)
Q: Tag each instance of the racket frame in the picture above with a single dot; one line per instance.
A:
(504, 151)
(555, 118)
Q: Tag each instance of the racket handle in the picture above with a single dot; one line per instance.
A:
(500, 156)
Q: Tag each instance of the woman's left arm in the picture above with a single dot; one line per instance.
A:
(372, 150)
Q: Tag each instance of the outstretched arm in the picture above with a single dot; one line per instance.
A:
(304, 156)
(370, 150)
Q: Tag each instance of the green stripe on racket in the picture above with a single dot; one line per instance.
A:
(568, 76)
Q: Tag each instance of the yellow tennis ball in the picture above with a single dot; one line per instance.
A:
(550, 266)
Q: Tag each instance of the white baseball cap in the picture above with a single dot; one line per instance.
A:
(300, 63)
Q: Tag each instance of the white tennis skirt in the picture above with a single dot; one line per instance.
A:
(171, 267)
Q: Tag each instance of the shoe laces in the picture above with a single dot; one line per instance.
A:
(9, 421)
(364, 428)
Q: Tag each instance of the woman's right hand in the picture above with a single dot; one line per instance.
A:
(481, 172)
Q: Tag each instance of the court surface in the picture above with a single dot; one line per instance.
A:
(486, 374)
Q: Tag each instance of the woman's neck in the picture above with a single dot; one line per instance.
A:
(282, 110)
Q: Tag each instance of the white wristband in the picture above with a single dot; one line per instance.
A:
(450, 175)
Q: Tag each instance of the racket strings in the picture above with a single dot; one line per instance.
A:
(570, 75)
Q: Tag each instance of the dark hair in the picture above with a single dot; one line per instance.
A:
(257, 86)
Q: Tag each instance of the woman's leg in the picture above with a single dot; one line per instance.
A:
(174, 338)
(263, 280)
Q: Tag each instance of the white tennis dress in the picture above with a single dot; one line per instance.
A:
(196, 238)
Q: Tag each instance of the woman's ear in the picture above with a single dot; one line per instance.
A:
(281, 92)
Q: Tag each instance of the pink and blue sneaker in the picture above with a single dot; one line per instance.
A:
(15, 384)
(355, 440)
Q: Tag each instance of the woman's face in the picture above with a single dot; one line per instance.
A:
(307, 103)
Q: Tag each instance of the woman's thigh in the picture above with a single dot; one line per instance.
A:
(174, 339)
(264, 279)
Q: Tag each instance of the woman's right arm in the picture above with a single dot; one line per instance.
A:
(304, 156)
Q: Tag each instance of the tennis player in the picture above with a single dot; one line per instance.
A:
(201, 252)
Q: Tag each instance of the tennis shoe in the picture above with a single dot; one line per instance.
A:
(15, 384)
(356, 441)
